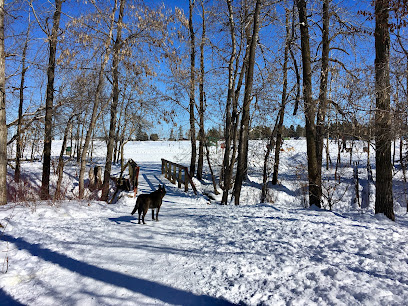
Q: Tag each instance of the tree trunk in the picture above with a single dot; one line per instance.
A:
(321, 112)
(192, 90)
(94, 116)
(232, 118)
(77, 148)
(283, 103)
(211, 170)
(230, 96)
(3, 124)
(315, 190)
(20, 110)
(403, 164)
(60, 169)
(201, 133)
(243, 137)
(338, 159)
(80, 138)
(115, 101)
(265, 175)
(384, 198)
(53, 39)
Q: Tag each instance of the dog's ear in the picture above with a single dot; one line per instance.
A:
(159, 186)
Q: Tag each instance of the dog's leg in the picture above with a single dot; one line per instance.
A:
(144, 214)
(139, 217)
(157, 214)
(153, 214)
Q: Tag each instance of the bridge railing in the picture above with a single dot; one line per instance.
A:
(177, 173)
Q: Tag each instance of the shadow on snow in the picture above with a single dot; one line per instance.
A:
(6, 299)
(148, 288)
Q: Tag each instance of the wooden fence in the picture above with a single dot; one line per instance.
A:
(176, 173)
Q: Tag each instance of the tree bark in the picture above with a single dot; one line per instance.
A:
(384, 198)
(3, 124)
(53, 39)
(115, 101)
(310, 109)
(192, 90)
(243, 137)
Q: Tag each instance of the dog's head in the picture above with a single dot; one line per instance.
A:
(162, 190)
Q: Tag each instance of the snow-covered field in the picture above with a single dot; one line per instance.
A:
(200, 253)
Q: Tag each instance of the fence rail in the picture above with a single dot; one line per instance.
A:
(179, 174)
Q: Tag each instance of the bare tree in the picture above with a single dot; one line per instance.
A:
(321, 112)
(228, 120)
(3, 125)
(244, 129)
(192, 89)
(115, 100)
(315, 188)
(284, 98)
(201, 132)
(53, 40)
(20, 108)
(384, 199)
(235, 69)
(96, 101)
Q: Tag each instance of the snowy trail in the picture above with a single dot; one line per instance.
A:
(107, 257)
(92, 253)
(201, 254)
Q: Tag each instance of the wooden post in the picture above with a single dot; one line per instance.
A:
(185, 179)
(169, 169)
(179, 178)
(174, 176)
(191, 182)
(136, 182)
(356, 184)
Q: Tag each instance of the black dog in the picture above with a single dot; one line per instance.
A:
(152, 200)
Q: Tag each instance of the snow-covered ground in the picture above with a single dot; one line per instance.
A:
(200, 253)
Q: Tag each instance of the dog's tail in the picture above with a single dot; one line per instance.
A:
(136, 207)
